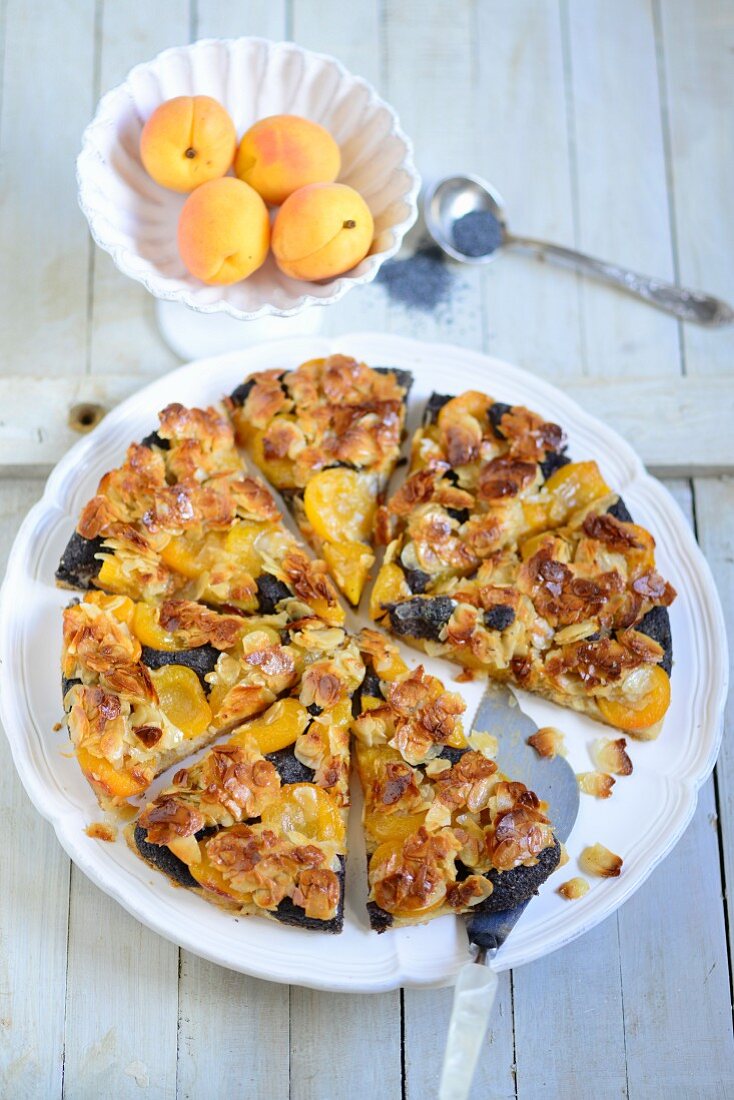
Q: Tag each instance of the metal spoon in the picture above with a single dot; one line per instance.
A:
(450, 199)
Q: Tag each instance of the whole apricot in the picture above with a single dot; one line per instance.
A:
(223, 231)
(322, 230)
(281, 153)
(187, 141)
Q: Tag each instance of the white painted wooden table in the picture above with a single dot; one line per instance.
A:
(606, 124)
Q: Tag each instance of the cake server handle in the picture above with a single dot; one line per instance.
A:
(474, 995)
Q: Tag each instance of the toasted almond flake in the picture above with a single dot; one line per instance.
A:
(436, 766)
(611, 756)
(598, 860)
(485, 743)
(598, 784)
(56, 727)
(548, 742)
(465, 677)
(99, 831)
(573, 889)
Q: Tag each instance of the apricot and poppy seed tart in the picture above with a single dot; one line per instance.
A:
(327, 436)
(507, 557)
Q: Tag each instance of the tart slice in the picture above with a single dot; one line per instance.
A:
(144, 686)
(445, 831)
(505, 556)
(327, 436)
(258, 825)
(180, 518)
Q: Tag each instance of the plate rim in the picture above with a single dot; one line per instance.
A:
(404, 348)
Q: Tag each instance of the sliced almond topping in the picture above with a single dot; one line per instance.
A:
(598, 784)
(548, 741)
(573, 889)
(598, 860)
(611, 756)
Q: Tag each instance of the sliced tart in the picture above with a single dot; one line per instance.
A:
(144, 686)
(445, 831)
(258, 825)
(327, 436)
(182, 519)
(507, 557)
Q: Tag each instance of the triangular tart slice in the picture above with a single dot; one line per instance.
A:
(507, 557)
(144, 686)
(327, 436)
(445, 830)
(258, 824)
(181, 518)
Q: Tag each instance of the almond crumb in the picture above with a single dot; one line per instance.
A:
(99, 831)
(465, 677)
(56, 727)
(598, 860)
(598, 784)
(573, 889)
(548, 742)
(611, 756)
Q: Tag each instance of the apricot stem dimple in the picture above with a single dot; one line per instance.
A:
(349, 224)
(190, 153)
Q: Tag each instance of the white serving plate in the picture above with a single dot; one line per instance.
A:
(135, 220)
(642, 821)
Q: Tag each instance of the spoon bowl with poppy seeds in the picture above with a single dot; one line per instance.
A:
(465, 216)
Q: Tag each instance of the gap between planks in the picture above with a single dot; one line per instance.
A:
(676, 425)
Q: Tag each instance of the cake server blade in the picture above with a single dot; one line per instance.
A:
(554, 781)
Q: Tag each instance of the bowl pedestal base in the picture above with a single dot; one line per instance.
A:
(193, 335)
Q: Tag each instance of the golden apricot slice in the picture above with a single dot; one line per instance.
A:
(384, 863)
(389, 587)
(182, 698)
(277, 728)
(321, 231)
(278, 470)
(349, 564)
(107, 779)
(281, 153)
(211, 878)
(223, 232)
(574, 486)
(306, 809)
(112, 578)
(382, 827)
(188, 141)
(340, 505)
(640, 714)
(148, 631)
(122, 607)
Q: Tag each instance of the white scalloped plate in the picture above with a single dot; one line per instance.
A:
(642, 821)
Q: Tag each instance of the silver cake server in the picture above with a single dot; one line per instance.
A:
(554, 781)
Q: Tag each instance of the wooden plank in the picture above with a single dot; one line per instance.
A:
(44, 274)
(522, 147)
(124, 337)
(33, 907)
(675, 425)
(351, 32)
(620, 172)
(233, 1030)
(121, 1008)
(673, 957)
(427, 1013)
(714, 512)
(429, 78)
(233, 1034)
(696, 43)
(344, 1045)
